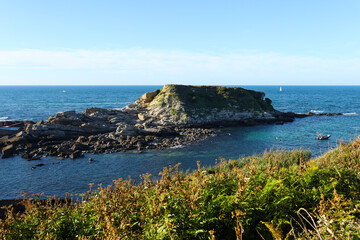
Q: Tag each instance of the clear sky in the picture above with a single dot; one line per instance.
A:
(203, 42)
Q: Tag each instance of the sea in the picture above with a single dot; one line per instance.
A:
(19, 177)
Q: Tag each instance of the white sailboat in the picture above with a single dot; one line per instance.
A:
(280, 89)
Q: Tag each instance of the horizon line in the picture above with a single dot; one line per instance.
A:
(140, 85)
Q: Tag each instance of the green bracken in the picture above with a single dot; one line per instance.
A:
(173, 111)
(161, 100)
(276, 195)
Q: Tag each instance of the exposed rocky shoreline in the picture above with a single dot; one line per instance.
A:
(172, 116)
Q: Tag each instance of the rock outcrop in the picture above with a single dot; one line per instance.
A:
(203, 106)
(168, 117)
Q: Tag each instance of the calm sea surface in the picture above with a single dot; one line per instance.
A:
(73, 176)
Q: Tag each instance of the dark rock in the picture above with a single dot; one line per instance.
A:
(7, 132)
(20, 137)
(31, 156)
(79, 146)
(76, 154)
(268, 101)
(82, 139)
(27, 156)
(40, 122)
(8, 151)
(37, 165)
(323, 114)
(3, 141)
(15, 123)
(126, 130)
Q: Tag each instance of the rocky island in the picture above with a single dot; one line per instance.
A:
(168, 117)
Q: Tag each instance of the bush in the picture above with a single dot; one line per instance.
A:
(279, 194)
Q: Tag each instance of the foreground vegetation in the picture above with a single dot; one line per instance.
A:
(278, 195)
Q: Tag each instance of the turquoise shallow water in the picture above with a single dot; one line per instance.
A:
(58, 177)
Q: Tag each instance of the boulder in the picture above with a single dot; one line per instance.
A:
(127, 130)
(142, 116)
(66, 121)
(78, 146)
(44, 130)
(40, 122)
(100, 113)
(20, 137)
(26, 156)
(66, 114)
(8, 151)
(68, 118)
(81, 139)
(30, 156)
(3, 141)
(76, 154)
(147, 97)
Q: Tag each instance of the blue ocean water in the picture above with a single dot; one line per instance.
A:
(60, 176)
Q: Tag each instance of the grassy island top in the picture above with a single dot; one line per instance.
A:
(276, 195)
(211, 97)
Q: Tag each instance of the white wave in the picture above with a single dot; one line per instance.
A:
(177, 146)
(352, 113)
(103, 103)
(3, 118)
(316, 111)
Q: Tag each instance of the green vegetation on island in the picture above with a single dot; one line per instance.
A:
(276, 195)
(210, 97)
(185, 104)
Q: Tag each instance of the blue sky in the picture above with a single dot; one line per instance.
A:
(186, 42)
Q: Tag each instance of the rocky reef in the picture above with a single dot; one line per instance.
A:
(168, 117)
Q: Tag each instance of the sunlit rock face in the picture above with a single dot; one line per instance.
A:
(181, 104)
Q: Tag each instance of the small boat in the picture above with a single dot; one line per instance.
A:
(280, 89)
(322, 137)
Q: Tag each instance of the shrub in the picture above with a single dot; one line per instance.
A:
(279, 194)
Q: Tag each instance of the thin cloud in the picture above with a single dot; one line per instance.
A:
(135, 64)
